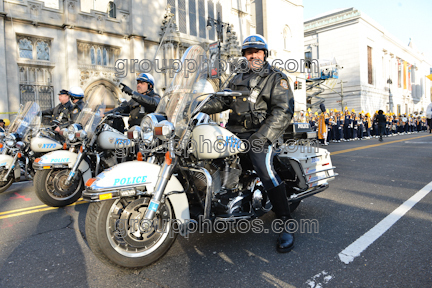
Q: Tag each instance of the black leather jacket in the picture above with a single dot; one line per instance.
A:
(272, 112)
(61, 112)
(76, 109)
(139, 106)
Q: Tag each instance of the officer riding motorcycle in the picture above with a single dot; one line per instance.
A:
(144, 101)
(77, 95)
(60, 113)
(261, 119)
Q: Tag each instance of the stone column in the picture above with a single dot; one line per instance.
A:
(4, 101)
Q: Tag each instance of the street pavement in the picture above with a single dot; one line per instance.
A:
(42, 246)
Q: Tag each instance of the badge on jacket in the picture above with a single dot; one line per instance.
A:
(75, 111)
(284, 84)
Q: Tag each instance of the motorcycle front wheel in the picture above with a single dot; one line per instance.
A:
(4, 185)
(117, 235)
(51, 189)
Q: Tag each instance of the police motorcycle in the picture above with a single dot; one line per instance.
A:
(22, 144)
(129, 223)
(93, 147)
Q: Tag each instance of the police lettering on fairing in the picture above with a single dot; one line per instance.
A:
(130, 180)
(59, 160)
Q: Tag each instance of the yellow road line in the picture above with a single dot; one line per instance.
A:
(375, 145)
(34, 209)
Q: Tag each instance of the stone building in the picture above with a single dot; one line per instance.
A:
(52, 45)
(370, 57)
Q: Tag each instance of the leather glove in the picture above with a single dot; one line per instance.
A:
(127, 90)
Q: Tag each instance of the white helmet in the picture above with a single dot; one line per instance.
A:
(76, 92)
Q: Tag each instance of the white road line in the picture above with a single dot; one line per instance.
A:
(358, 246)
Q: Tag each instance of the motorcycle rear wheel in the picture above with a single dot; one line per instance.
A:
(50, 188)
(118, 239)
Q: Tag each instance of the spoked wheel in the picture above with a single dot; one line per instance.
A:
(118, 236)
(4, 185)
(52, 190)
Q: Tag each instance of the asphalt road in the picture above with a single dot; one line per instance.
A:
(46, 247)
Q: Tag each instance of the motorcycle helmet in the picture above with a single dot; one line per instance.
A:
(76, 92)
(255, 41)
(146, 77)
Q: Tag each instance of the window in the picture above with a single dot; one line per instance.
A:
(112, 9)
(182, 16)
(42, 51)
(25, 49)
(34, 48)
(211, 15)
(96, 54)
(36, 85)
(192, 18)
(202, 19)
(399, 72)
(369, 55)
(308, 59)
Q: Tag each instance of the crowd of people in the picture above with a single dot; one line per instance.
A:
(335, 126)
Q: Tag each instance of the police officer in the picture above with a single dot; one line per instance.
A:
(142, 102)
(77, 95)
(61, 111)
(262, 119)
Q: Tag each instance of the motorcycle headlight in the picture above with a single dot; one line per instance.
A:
(10, 140)
(72, 130)
(147, 129)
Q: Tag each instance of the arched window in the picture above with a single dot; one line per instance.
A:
(42, 51)
(99, 57)
(92, 56)
(25, 48)
(105, 57)
(111, 9)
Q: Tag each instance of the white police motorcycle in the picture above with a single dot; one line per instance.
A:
(130, 223)
(60, 175)
(22, 143)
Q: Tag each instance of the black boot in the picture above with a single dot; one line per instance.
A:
(285, 242)
(278, 198)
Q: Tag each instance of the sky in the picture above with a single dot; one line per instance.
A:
(401, 18)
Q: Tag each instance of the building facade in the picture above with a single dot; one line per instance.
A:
(371, 62)
(52, 45)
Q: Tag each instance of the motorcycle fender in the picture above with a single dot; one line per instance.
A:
(142, 174)
(6, 161)
(63, 159)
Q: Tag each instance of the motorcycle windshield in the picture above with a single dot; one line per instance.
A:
(92, 112)
(189, 83)
(28, 118)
